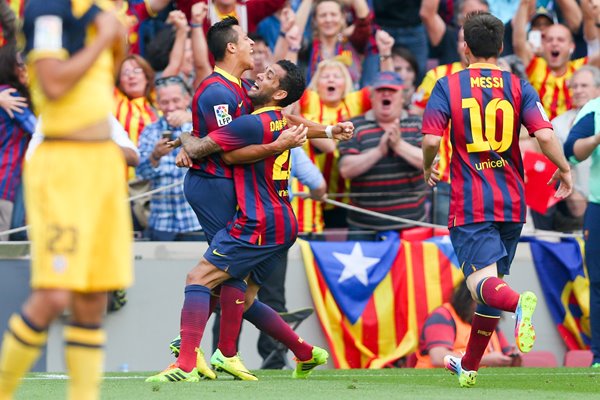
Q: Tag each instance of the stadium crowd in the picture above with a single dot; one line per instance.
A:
(341, 46)
(372, 62)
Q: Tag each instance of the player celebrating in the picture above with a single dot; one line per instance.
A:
(263, 228)
(75, 194)
(487, 206)
(209, 189)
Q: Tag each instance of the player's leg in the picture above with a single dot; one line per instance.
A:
(194, 316)
(592, 260)
(266, 319)
(84, 345)
(26, 336)
(232, 311)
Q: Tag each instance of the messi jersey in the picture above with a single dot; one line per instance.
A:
(219, 99)
(264, 214)
(487, 107)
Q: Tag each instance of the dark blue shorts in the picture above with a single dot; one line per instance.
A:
(212, 199)
(485, 243)
(240, 259)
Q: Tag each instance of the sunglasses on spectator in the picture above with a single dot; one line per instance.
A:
(134, 71)
(168, 80)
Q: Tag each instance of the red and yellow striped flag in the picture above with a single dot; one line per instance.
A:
(420, 277)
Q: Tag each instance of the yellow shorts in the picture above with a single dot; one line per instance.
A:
(80, 223)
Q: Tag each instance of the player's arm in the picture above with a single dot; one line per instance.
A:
(552, 149)
(294, 136)
(520, 23)
(57, 72)
(431, 146)
(582, 141)
(197, 148)
(339, 131)
(435, 120)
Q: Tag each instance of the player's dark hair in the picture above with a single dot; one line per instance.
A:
(483, 34)
(219, 35)
(293, 82)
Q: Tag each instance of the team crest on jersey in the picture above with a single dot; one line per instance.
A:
(222, 114)
(542, 111)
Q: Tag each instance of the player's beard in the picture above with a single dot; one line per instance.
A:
(260, 99)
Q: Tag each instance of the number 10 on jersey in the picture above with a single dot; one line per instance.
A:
(485, 139)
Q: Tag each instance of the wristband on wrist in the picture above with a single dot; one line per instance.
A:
(329, 131)
(194, 25)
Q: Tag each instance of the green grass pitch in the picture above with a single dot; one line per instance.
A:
(492, 384)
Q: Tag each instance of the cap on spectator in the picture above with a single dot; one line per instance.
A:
(388, 80)
(543, 12)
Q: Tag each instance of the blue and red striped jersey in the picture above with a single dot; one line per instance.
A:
(264, 214)
(219, 99)
(14, 138)
(487, 107)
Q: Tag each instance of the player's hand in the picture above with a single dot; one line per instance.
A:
(199, 11)
(566, 183)
(182, 159)
(294, 136)
(174, 143)
(12, 104)
(343, 130)
(179, 117)
(431, 176)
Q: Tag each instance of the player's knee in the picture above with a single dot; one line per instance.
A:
(197, 275)
(52, 303)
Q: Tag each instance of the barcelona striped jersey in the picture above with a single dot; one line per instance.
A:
(219, 100)
(420, 100)
(264, 214)
(553, 90)
(487, 107)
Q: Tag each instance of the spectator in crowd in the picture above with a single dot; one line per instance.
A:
(584, 142)
(383, 160)
(329, 40)
(166, 51)
(134, 12)
(446, 331)
(443, 37)
(400, 18)
(550, 72)
(171, 217)
(330, 99)
(249, 13)
(17, 122)
(405, 65)
(261, 54)
(567, 215)
(134, 93)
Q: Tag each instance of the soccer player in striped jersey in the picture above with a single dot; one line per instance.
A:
(260, 232)
(487, 208)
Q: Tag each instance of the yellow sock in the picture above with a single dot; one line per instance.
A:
(21, 347)
(84, 355)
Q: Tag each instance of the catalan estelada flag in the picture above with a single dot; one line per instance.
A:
(372, 297)
(566, 288)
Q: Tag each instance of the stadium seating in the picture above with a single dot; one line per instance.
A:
(578, 358)
(539, 359)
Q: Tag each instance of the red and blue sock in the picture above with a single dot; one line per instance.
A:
(194, 315)
(483, 326)
(270, 322)
(233, 292)
(497, 294)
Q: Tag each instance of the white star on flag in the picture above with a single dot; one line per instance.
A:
(355, 265)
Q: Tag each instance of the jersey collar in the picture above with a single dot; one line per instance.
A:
(265, 109)
(228, 76)
(484, 66)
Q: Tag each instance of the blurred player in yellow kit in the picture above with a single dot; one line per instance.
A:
(75, 192)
